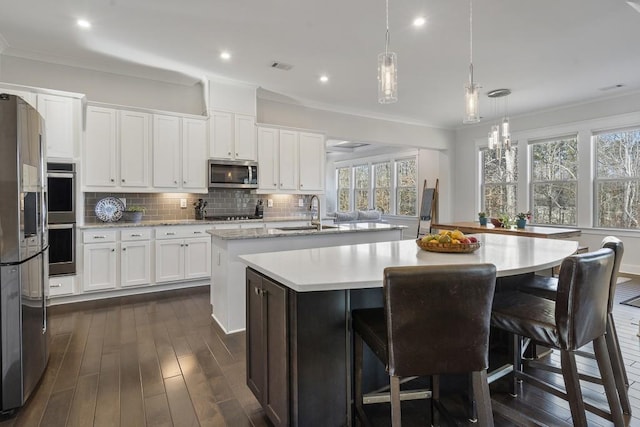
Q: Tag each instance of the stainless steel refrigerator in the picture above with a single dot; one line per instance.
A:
(23, 252)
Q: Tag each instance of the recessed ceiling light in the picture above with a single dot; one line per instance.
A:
(225, 55)
(419, 21)
(324, 78)
(83, 23)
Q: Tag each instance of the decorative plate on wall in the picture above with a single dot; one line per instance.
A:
(109, 209)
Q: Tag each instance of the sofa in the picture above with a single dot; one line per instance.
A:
(358, 216)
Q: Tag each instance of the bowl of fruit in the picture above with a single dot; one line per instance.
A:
(448, 241)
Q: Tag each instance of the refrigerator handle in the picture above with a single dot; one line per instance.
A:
(44, 238)
(45, 282)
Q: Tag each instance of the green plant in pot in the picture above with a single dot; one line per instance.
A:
(521, 219)
(482, 217)
(133, 213)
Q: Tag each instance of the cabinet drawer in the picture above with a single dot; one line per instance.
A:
(61, 285)
(133, 234)
(99, 236)
(163, 233)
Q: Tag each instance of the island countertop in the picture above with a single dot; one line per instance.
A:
(261, 233)
(361, 266)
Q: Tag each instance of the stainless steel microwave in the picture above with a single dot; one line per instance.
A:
(233, 174)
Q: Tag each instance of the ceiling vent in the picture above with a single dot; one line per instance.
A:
(281, 66)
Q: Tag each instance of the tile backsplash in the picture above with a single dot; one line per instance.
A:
(220, 202)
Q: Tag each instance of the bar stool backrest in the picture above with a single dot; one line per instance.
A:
(617, 247)
(583, 297)
(438, 318)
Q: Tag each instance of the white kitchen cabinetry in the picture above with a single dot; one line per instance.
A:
(290, 161)
(135, 257)
(311, 155)
(62, 116)
(61, 285)
(99, 260)
(180, 255)
(116, 151)
(233, 136)
(179, 153)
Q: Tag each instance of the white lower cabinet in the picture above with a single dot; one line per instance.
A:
(61, 285)
(100, 266)
(135, 263)
(182, 253)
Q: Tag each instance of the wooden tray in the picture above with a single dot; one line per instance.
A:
(462, 248)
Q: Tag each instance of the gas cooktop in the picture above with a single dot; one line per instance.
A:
(233, 217)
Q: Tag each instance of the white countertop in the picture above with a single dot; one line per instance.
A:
(260, 233)
(361, 266)
(159, 222)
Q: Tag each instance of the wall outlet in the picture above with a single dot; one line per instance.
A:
(269, 203)
(124, 201)
(300, 202)
(183, 203)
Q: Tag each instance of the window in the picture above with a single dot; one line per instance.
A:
(361, 187)
(382, 186)
(554, 175)
(344, 189)
(499, 181)
(406, 187)
(617, 183)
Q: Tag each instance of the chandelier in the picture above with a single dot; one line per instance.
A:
(500, 134)
(387, 71)
(471, 89)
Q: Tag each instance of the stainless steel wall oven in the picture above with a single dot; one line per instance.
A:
(61, 197)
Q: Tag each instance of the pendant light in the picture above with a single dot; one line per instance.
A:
(387, 71)
(500, 134)
(471, 89)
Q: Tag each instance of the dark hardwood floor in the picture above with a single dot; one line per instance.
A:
(160, 360)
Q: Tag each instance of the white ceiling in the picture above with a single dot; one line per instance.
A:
(548, 52)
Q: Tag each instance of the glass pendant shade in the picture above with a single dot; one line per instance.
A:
(387, 78)
(471, 103)
(492, 142)
(505, 128)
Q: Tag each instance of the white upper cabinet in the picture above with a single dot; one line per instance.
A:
(117, 149)
(288, 155)
(290, 161)
(135, 137)
(232, 136)
(311, 155)
(63, 124)
(179, 153)
(100, 150)
(194, 153)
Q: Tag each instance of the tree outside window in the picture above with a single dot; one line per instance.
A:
(617, 183)
(362, 186)
(382, 186)
(344, 189)
(406, 187)
(554, 176)
(499, 181)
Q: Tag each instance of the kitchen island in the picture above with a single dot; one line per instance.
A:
(298, 334)
(228, 271)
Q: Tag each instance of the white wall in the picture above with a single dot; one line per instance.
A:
(583, 119)
(104, 87)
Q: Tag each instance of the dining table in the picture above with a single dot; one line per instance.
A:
(527, 231)
(319, 287)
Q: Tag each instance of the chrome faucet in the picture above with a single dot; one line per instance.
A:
(319, 224)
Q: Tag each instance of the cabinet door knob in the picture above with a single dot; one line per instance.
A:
(229, 153)
(124, 249)
(113, 250)
(113, 180)
(175, 182)
(236, 154)
(184, 182)
(275, 184)
(122, 179)
(300, 185)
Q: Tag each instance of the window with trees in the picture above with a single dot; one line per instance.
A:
(362, 186)
(554, 180)
(617, 180)
(384, 182)
(344, 189)
(382, 186)
(499, 181)
(406, 187)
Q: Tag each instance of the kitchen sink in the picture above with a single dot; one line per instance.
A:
(305, 227)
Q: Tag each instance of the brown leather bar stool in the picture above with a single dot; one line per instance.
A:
(547, 287)
(435, 321)
(577, 317)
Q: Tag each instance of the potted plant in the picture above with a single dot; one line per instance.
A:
(133, 213)
(482, 217)
(521, 219)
